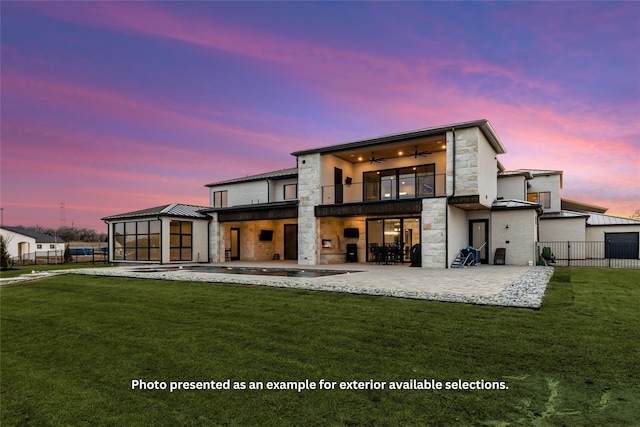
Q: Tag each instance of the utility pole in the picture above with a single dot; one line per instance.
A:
(1, 217)
(63, 215)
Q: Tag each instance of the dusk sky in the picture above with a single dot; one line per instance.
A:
(112, 107)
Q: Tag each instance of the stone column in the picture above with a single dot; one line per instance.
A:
(309, 195)
(216, 239)
(434, 233)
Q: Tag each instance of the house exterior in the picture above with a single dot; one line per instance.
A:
(441, 188)
(27, 244)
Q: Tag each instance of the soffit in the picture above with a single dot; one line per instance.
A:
(425, 145)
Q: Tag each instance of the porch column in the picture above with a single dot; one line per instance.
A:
(309, 194)
(434, 233)
(216, 239)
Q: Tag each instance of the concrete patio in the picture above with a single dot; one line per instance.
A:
(518, 286)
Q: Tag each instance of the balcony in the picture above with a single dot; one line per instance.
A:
(391, 188)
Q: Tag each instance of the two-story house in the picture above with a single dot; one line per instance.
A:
(434, 190)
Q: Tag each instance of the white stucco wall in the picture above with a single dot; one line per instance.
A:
(563, 229)
(547, 183)
(519, 239)
(14, 240)
(595, 233)
(487, 171)
(458, 232)
(512, 187)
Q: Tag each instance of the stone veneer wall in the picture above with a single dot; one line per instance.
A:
(309, 195)
(434, 233)
(466, 162)
(216, 239)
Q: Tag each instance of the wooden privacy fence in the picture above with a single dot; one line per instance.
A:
(592, 254)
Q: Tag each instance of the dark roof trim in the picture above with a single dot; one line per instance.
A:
(40, 237)
(274, 175)
(484, 125)
(255, 207)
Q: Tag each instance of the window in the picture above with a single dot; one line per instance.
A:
(291, 191)
(180, 240)
(220, 199)
(39, 245)
(52, 246)
(402, 183)
(545, 199)
(137, 241)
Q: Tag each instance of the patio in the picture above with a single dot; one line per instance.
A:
(515, 286)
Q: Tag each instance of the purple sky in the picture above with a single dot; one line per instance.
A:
(111, 107)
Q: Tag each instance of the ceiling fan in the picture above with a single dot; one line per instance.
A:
(373, 159)
(420, 153)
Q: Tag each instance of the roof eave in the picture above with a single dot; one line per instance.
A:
(484, 125)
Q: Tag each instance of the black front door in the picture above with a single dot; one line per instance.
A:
(479, 237)
(291, 241)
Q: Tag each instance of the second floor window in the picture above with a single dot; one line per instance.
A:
(291, 191)
(220, 199)
(543, 197)
(402, 183)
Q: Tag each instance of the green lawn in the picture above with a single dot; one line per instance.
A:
(71, 346)
(17, 270)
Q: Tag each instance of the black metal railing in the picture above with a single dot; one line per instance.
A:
(424, 186)
(589, 254)
(57, 257)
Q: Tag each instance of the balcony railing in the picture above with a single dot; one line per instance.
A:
(421, 186)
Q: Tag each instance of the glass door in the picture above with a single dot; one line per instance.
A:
(235, 244)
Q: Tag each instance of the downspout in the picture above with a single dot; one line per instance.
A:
(268, 188)
(209, 239)
(161, 240)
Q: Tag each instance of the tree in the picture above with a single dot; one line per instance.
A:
(5, 258)
(67, 255)
(636, 214)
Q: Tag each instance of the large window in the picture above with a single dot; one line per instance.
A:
(401, 183)
(290, 191)
(181, 240)
(391, 239)
(137, 241)
(220, 199)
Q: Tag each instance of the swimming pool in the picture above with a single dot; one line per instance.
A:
(259, 271)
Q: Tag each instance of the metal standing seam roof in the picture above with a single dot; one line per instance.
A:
(174, 209)
(600, 219)
(279, 174)
(514, 204)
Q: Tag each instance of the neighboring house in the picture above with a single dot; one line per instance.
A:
(440, 187)
(24, 244)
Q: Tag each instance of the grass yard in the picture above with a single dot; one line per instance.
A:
(17, 270)
(71, 346)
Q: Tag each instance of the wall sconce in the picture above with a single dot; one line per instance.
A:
(507, 226)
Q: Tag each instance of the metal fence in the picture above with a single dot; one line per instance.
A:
(592, 254)
(57, 257)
